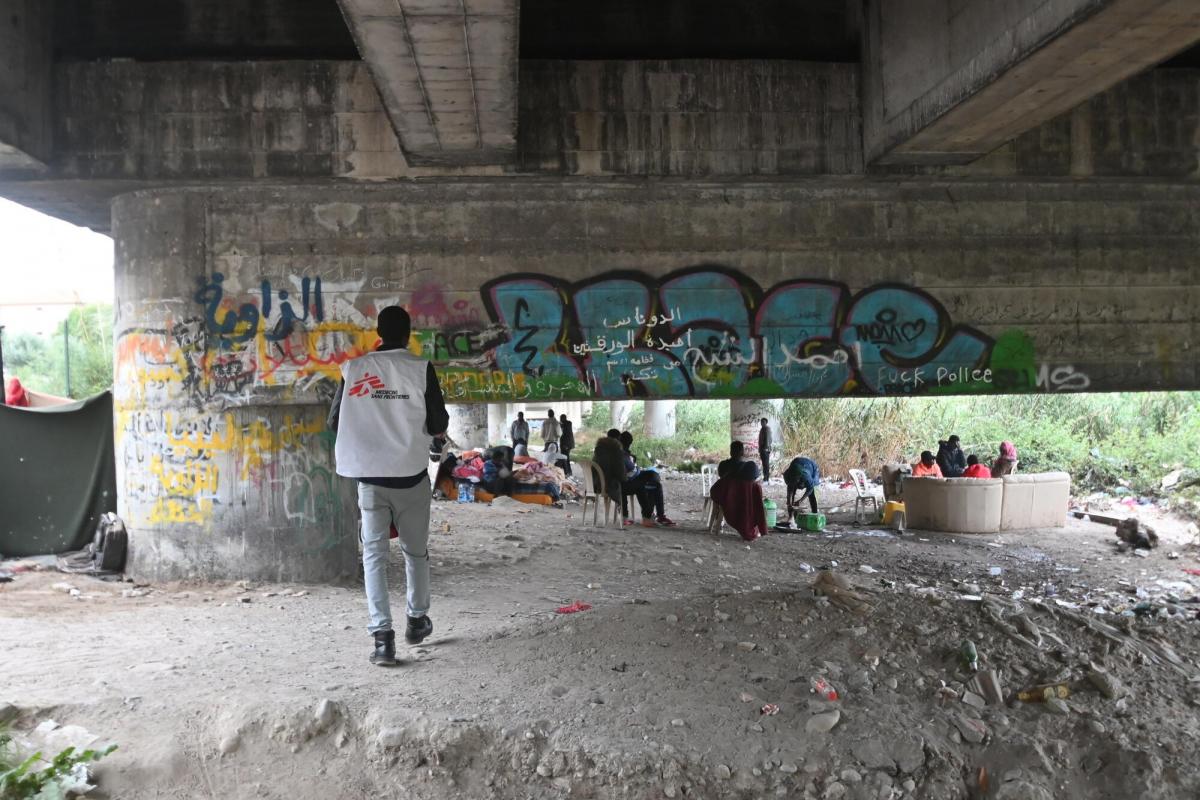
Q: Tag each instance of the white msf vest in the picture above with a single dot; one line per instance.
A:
(381, 428)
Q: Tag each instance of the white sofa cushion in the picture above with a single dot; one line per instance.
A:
(1035, 500)
(966, 505)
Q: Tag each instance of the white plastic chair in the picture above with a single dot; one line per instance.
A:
(594, 491)
(864, 494)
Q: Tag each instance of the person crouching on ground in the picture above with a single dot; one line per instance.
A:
(975, 469)
(646, 485)
(927, 467)
(802, 473)
(385, 419)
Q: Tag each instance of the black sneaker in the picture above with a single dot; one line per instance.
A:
(385, 649)
(418, 628)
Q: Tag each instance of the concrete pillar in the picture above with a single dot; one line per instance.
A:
(745, 420)
(26, 65)
(469, 424)
(659, 419)
(497, 422)
(224, 471)
(621, 411)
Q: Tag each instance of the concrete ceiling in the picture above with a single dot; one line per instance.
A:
(447, 74)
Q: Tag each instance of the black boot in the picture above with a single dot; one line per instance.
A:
(385, 649)
(418, 628)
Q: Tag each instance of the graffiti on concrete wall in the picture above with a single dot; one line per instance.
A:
(240, 377)
(706, 332)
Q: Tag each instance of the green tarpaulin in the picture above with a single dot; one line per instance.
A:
(57, 475)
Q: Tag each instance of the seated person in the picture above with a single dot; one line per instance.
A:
(610, 462)
(950, 458)
(1006, 464)
(738, 497)
(927, 467)
(552, 458)
(802, 473)
(733, 464)
(646, 486)
(497, 475)
(975, 469)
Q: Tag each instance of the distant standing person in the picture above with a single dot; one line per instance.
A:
(567, 441)
(519, 430)
(550, 430)
(802, 473)
(764, 448)
(1006, 464)
(384, 421)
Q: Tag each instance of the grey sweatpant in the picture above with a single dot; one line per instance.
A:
(408, 509)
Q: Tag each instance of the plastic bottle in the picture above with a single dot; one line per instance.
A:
(970, 655)
(823, 689)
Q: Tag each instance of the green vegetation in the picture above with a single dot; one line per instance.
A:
(40, 361)
(1119, 443)
(22, 780)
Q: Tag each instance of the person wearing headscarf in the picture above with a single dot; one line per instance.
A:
(1006, 464)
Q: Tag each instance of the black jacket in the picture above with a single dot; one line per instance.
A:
(951, 459)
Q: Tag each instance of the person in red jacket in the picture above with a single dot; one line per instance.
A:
(975, 469)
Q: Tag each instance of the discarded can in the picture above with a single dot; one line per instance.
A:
(823, 689)
(970, 655)
(1040, 694)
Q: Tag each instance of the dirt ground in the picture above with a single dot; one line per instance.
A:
(264, 691)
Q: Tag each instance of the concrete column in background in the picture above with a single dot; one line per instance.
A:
(26, 66)
(469, 424)
(659, 419)
(744, 422)
(497, 422)
(621, 411)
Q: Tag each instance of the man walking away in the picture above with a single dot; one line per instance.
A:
(764, 448)
(385, 412)
(566, 442)
(520, 430)
(550, 431)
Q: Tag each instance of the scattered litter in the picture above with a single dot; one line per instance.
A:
(575, 607)
(746, 697)
(769, 710)
(821, 687)
(969, 655)
(1040, 694)
(839, 591)
(867, 568)
(804, 566)
(995, 571)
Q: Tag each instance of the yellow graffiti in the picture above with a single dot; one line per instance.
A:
(170, 509)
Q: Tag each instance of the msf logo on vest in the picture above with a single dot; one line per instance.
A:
(372, 386)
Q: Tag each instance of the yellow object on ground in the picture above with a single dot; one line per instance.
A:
(889, 509)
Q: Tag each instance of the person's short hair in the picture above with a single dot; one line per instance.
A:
(521, 414)
(972, 460)
(953, 438)
(747, 471)
(736, 449)
(766, 421)
(626, 438)
(613, 433)
(550, 413)
(393, 325)
(927, 456)
(562, 417)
